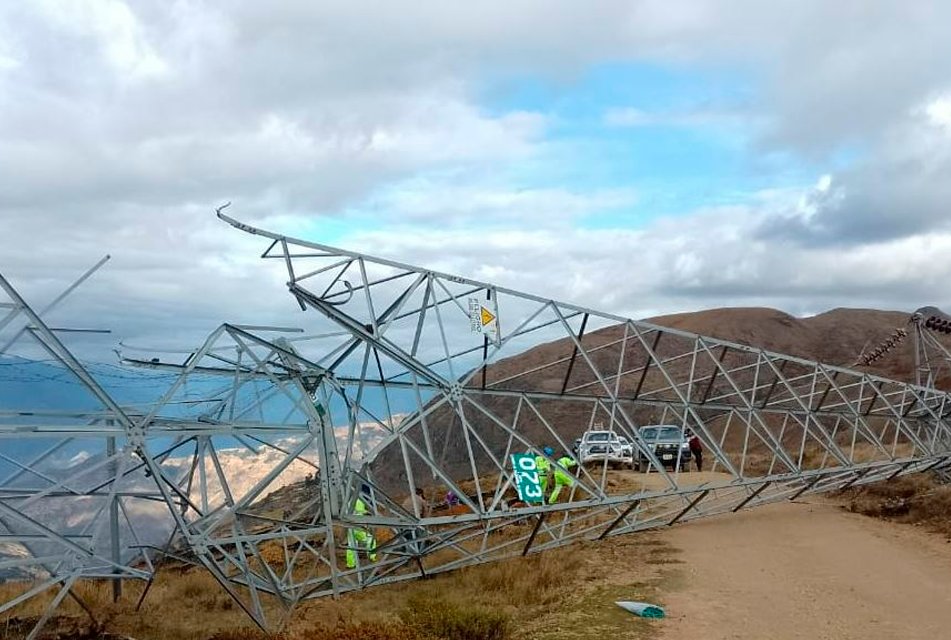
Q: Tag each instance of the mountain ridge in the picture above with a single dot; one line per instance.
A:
(839, 337)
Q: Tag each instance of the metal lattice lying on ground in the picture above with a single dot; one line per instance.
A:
(457, 375)
(405, 380)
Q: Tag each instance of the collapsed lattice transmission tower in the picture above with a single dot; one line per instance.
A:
(403, 381)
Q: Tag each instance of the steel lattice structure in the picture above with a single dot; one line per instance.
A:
(388, 388)
(63, 522)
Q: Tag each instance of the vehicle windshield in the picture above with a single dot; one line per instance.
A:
(623, 440)
(660, 433)
(599, 436)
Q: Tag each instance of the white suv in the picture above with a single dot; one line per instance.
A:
(600, 446)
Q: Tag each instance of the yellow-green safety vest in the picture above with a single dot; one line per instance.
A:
(542, 464)
(564, 463)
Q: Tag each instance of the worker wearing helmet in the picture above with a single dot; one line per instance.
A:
(543, 467)
(358, 537)
(562, 476)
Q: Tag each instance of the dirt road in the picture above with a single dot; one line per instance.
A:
(797, 571)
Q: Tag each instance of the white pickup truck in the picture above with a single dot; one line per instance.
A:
(599, 446)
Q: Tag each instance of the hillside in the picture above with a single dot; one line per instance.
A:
(836, 337)
(715, 578)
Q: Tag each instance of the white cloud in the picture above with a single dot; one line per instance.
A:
(80, 457)
(8, 62)
(123, 124)
(695, 117)
(627, 117)
(714, 257)
(898, 189)
(456, 202)
(939, 112)
(114, 28)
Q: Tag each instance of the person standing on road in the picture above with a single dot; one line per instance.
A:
(697, 450)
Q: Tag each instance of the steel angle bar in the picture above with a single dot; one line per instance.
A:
(403, 365)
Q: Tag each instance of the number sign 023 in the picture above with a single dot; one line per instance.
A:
(526, 478)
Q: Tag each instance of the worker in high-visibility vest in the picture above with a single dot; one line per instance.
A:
(358, 537)
(562, 476)
(543, 467)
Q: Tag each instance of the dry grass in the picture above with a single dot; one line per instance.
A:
(183, 605)
(814, 456)
(536, 580)
(518, 598)
(420, 619)
(913, 499)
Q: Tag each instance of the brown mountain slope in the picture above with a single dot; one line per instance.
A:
(836, 337)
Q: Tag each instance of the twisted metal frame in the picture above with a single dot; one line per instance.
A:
(388, 389)
(63, 518)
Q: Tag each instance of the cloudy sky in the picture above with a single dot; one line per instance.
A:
(639, 157)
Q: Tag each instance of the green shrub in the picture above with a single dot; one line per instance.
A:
(438, 619)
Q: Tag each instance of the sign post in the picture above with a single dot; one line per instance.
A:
(484, 320)
(526, 478)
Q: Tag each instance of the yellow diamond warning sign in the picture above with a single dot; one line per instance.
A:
(484, 320)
